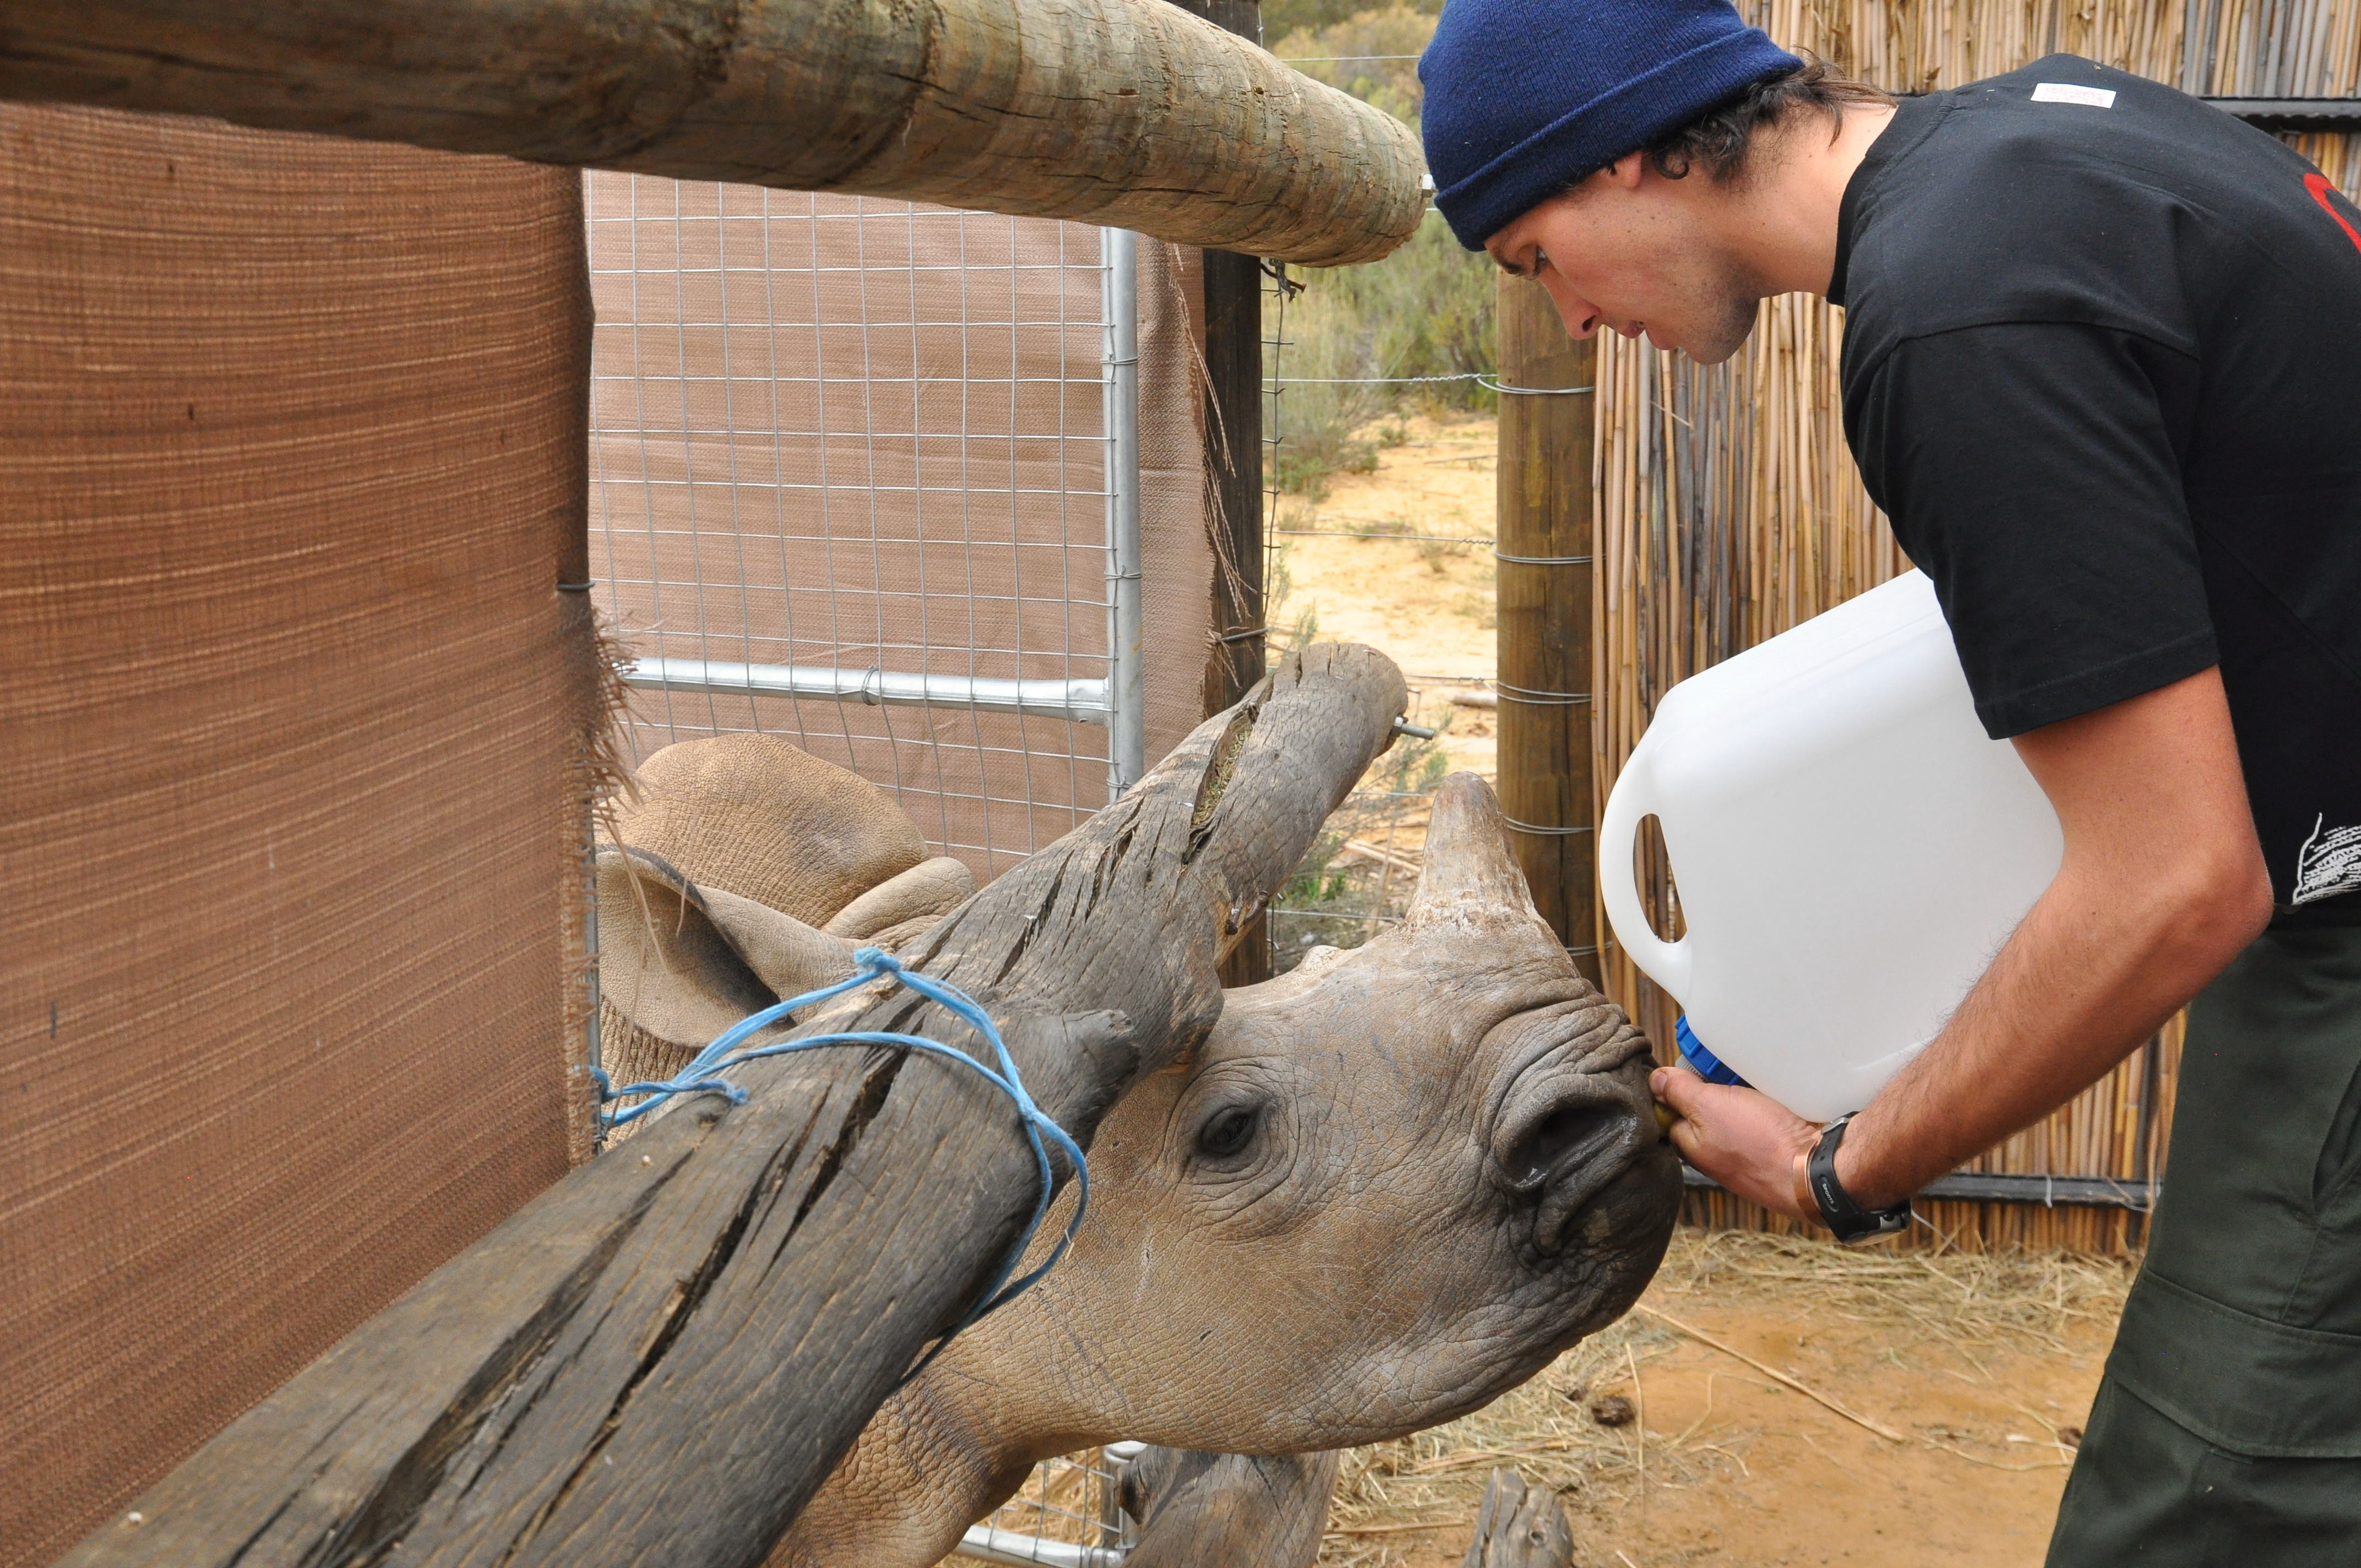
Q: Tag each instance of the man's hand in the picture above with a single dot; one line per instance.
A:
(1741, 1137)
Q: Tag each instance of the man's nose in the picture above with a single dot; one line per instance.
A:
(1581, 317)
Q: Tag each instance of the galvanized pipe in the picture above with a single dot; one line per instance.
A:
(1126, 664)
(990, 1545)
(1084, 702)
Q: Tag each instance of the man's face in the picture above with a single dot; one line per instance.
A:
(1632, 251)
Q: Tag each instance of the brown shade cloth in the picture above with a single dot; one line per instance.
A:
(291, 439)
(839, 432)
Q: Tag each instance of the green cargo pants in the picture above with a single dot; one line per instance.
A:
(2228, 1428)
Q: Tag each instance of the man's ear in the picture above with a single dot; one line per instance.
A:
(1625, 173)
(686, 963)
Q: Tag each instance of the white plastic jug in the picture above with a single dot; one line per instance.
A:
(1850, 848)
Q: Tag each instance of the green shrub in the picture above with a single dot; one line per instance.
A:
(1320, 355)
(1426, 309)
(1429, 310)
(1364, 53)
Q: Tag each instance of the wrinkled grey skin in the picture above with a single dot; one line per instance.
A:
(1393, 1184)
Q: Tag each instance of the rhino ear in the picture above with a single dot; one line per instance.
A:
(663, 962)
(784, 954)
(929, 889)
(685, 962)
(1469, 871)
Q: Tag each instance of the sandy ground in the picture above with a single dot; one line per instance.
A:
(1771, 1401)
(1984, 1369)
(1421, 594)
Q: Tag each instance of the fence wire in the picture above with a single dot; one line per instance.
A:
(837, 436)
(1068, 1514)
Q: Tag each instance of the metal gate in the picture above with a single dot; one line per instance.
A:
(865, 474)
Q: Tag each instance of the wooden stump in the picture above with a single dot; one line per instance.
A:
(662, 1356)
(1227, 1510)
(1520, 1526)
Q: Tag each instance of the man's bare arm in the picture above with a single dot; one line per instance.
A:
(2162, 884)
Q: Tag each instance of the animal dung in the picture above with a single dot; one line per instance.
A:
(1612, 1410)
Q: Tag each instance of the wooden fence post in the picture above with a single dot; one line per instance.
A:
(1545, 538)
(1233, 456)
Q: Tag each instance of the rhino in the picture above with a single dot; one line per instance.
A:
(1390, 1186)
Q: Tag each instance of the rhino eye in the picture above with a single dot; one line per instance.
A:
(1228, 1131)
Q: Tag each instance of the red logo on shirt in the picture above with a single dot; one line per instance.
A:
(2320, 188)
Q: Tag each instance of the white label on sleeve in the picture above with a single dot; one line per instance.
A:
(2329, 864)
(2072, 92)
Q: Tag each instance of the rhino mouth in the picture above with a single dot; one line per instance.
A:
(1580, 1152)
(1631, 1211)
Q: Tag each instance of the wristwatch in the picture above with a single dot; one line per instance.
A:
(1837, 1208)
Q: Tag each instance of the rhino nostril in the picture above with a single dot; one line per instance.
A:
(1568, 1131)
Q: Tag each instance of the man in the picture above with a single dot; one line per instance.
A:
(2103, 370)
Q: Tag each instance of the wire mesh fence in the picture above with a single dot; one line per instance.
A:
(1360, 875)
(852, 483)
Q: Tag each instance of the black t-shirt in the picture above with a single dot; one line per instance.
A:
(2103, 370)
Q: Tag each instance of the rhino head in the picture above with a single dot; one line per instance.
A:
(1392, 1185)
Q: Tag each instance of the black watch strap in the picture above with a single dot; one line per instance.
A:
(1848, 1219)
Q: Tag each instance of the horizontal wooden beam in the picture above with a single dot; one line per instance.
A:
(1128, 113)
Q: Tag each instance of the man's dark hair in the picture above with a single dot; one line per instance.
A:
(1717, 140)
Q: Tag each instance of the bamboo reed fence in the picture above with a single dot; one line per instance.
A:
(1730, 509)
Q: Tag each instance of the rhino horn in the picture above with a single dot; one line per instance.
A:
(1469, 877)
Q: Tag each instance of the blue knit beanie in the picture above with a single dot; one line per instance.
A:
(1524, 97)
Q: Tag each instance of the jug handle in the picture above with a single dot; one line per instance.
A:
(1633, 799)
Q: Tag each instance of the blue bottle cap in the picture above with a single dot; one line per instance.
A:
(1708, 1065)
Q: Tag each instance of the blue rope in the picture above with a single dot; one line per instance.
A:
(703, 1076)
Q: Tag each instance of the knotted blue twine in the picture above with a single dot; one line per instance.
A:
(703, 1076)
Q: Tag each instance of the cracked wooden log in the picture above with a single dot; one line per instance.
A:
(660, 1359)
(1130, 113)
(1520, 1526)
